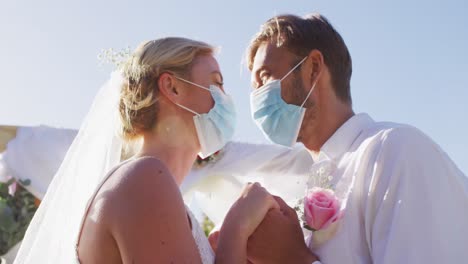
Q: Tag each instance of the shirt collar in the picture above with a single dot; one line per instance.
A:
(343, 138)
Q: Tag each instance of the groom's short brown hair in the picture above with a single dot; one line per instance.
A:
(300, 35)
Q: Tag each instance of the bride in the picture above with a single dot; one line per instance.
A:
(169, 96)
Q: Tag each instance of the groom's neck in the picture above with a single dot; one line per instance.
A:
(322, 122)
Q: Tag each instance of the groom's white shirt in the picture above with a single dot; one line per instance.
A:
(406, 201)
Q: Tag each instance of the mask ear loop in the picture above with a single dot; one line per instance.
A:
(308, 95)
(190, 110)
(313, 87)
(295, 67)
(192, 83)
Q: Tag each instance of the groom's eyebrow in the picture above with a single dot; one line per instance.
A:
(262, 68)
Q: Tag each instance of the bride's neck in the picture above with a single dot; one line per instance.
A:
(178, 158)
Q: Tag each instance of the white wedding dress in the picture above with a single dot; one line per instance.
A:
(206, 253)
(204, 248)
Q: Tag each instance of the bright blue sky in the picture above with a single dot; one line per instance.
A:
(410, 58)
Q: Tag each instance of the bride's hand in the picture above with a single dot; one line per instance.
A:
(243, 218)
(248, 211)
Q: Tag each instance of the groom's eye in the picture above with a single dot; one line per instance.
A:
(264, 77)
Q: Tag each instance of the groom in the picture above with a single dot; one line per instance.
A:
(404, 200)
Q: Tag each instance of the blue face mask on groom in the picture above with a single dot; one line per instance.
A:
(279, 121)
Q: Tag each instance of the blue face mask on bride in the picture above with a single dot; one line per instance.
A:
(215, 128)
(279, 121)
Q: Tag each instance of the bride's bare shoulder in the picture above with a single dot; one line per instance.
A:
(145, 214)
(144, 172)
(140, 186)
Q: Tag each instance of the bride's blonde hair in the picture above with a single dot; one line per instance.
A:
(138, 100)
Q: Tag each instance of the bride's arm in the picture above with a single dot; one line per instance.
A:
(241, 221)
(147, 217)
(232, 247)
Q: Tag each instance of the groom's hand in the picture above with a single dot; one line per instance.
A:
(213, 239)
(279, 238)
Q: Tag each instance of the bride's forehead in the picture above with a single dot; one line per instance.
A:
(205, 64)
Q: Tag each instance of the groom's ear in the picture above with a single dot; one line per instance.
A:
(315, 64)
(166, 86)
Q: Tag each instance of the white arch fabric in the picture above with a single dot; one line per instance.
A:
(35, 154)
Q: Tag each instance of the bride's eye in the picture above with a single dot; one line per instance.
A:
(217, 80)
(219, 84)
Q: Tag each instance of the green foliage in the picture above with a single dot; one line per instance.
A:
(16, 212)
(207, 225)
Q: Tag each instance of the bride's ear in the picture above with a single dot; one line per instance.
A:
(166, 86)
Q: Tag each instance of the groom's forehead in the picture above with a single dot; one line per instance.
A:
(268, 55)
(269, 59)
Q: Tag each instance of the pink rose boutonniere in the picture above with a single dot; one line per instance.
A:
(322, 212)
(321, 209)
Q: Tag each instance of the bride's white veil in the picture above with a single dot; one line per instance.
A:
(53, 232)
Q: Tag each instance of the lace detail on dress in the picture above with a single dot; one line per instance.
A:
(206, 252)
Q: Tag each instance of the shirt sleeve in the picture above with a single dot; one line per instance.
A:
(417, 202)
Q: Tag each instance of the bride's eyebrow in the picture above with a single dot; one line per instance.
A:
(219, 73)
